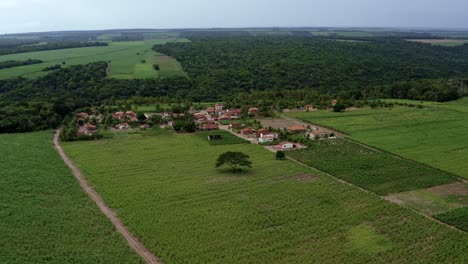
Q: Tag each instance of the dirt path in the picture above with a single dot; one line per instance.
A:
(132, 241)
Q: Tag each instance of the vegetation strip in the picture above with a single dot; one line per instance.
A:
(134, 243)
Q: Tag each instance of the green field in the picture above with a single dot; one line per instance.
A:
(457, 217)
(435, 136)
(126, 60)
(166, 189)
(372, 170)
(45, 217)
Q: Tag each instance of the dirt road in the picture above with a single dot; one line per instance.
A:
(133, 242)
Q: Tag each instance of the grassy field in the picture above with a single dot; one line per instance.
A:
(435, 136)
(128, 60)
(376, 171)
(166, 189)
(45, 217)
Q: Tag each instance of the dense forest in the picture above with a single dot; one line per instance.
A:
(220, 66)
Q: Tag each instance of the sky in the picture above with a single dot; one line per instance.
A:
(18, 16)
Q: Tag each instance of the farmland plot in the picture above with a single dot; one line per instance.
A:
(45, 217)
(435, 135)
(166, 189)
(128, 60)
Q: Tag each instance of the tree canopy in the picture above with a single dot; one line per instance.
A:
(234, 160)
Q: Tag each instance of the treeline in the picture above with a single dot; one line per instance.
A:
(221, 66)
(12, 63)
(50, 46)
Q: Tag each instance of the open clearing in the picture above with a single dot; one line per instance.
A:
(44, 215)
(166, 190)
(435, 136)
(128, 60)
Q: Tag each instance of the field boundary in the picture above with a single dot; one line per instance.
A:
(132, 240)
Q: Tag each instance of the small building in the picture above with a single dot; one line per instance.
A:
(253, 111)
(285, 145)
(267, 138)
(209, 127)
(297, 129)
(308, 107)
(320, 133)
(248, 132)
(235, 125)
(224, 118)
(219, 107)
(122, 126)
(214, 137)
(262, 131)
(82, 115)
(210, 110)
(334, 102)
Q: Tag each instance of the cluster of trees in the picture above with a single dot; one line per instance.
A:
(53, 67)
(231, 65)
(49, 46)
(13, 63)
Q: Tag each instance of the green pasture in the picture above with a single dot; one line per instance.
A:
(435, 134)
(167, 190)
(45, 217)
(127, 60)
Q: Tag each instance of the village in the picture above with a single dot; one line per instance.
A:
(278, 133)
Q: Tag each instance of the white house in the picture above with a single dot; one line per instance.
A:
(285, 145)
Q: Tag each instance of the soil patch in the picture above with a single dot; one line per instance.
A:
(305, 177)
(164, 58)
(458, 188)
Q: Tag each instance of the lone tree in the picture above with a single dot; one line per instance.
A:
(338, 107)
(280, 155)
(234, 160)
(156, 67)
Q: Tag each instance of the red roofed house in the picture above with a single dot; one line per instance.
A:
(262, 131)
(219, 107)
(122, 126)
(209, 127)
(320, 133)
(253, 110)
(308, 107)
(235, 125)
(285, 145)
(297, 129)
(248, 132)
(210, 110)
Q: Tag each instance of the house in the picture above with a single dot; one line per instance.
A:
(166, 115)
(210, 110)
(320, 133)
(248, 132)
(333, 102)
(262, 131)
(122, 126)
(235, 125)
(219, 107)
(297, 129)
(275, 136)
(130, 114)
(144, 126)
(224, 118)
(86, 130)
(253, 111)
(267, 138)
(285, 145)
(209, 127)
(308, 107)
